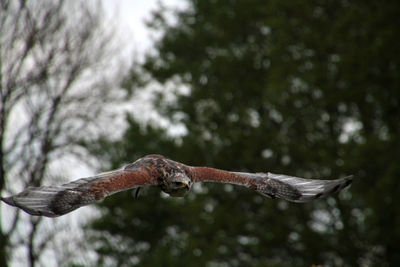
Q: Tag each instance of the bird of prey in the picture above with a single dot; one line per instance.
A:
(172, 177)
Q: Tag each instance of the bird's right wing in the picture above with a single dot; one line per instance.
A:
(53, 201)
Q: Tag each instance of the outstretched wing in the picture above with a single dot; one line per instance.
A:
(291, 188)
(53, 201)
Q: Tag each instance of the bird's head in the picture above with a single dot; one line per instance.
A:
(177, 185)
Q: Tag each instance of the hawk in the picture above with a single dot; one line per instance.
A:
(173, 178)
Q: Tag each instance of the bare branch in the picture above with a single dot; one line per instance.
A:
(56, 78)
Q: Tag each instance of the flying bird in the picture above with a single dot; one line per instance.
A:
(173, 178)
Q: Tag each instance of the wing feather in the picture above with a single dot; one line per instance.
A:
(53, 201)
(287, 187)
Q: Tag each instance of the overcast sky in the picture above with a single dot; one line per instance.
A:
(130, 16)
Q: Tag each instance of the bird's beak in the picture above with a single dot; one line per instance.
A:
(186, 183)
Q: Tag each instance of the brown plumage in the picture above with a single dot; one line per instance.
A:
(172, 177)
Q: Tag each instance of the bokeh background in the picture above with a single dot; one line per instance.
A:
(306, 88)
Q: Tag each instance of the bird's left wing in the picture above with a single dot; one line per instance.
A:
(291, 188)
(53, 201)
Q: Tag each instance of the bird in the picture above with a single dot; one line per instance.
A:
(173, 178)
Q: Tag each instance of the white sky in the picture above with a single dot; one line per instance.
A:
(130, 16)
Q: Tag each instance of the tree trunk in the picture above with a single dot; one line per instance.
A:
(3, 237)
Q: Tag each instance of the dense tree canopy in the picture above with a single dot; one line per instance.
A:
(308, 88)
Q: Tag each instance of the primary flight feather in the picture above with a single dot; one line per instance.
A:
(172, 177)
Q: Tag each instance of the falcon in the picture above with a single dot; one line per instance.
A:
(173, 178)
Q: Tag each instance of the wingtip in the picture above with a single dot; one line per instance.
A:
(11, 201)
(341, 184)
(348, 180)
(317, 189)
(8, 200)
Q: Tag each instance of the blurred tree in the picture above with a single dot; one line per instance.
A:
(308, 88)
(56, 71)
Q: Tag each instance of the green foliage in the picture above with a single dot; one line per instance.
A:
(308, 88)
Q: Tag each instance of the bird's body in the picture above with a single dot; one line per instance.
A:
(172, 177)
